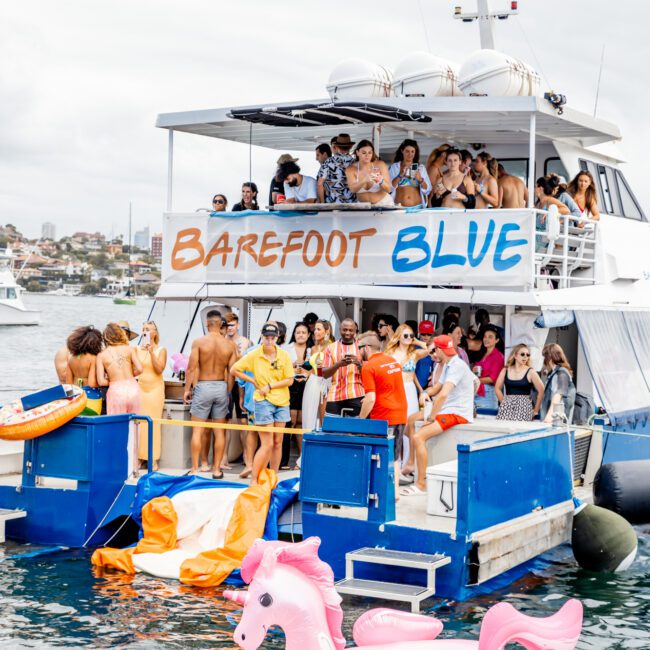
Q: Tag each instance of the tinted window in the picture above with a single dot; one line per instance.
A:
(614, 194)
(11, 293)
(630, 207)
(516, 167)
(588, 166)
(555, 166)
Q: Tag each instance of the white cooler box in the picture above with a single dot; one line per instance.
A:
(442, 489)
(175, 449)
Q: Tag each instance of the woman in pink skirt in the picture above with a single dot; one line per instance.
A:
(117, 367)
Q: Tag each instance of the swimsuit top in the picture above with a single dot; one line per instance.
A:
(517, 386)
(375, 188)
(408, 181)
(409, 366)
(460, 188)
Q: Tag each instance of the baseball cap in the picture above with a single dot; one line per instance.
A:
(426, 327)
(446, 344)
(270, 330)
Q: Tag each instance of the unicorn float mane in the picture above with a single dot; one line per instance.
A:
(304, 557)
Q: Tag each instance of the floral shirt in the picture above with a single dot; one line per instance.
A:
(336, 183)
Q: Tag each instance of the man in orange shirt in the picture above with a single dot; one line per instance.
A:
(385, 397)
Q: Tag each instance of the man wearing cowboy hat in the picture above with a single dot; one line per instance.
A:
(332, 182)
(276, 186)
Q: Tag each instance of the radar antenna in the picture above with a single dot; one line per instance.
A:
(486, 20)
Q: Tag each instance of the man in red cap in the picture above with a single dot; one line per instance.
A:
(454, 404)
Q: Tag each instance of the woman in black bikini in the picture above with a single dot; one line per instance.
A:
(518, 378)
(455, 189)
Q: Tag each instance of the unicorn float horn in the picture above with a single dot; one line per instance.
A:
(239, 597)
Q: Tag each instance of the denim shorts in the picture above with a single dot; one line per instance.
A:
(267, 413)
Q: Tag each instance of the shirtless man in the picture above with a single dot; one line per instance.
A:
(206, 389)
(513, 192)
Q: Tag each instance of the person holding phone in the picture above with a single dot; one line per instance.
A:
(409, 179)
(368, 178)
(455, 189)
(152, 389)
(342, 363)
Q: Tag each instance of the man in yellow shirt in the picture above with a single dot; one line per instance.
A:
(272, 375)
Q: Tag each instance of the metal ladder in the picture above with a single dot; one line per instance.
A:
(413, 594)
(6, 515)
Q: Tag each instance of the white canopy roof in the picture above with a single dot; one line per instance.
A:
(460, 120)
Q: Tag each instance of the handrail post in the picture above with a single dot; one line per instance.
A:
(565, 253)
(531, 158)
(149, 421)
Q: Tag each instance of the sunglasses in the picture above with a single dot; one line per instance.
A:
(408, 336)
(219, 202)
(381, 325)
(524, 354)
(425, 334)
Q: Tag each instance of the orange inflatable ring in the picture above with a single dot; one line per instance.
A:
(17, 424)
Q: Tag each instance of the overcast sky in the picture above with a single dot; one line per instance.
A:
(81, 84)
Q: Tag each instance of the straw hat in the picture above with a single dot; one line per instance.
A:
(124, 324)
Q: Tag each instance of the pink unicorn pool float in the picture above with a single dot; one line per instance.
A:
(291, 587)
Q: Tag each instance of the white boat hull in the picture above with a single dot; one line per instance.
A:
(18, 315)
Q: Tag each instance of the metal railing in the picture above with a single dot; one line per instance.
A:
(565, 250)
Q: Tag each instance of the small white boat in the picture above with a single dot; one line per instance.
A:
(12, 308)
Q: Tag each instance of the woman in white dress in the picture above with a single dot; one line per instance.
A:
(317, 386)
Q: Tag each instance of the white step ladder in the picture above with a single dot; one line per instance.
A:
(413, 594)
(6, 515)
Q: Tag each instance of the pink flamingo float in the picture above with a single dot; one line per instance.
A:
(291, 587)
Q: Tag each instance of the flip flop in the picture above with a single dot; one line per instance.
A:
(245, 473)
(217, 476)
(406, 479)
(412, 490)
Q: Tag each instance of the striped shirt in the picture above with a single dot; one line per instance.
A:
(346, 381)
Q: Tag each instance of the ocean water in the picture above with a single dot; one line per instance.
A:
(60, 601)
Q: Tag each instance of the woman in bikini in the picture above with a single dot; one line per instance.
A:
(583, 191)
(368, 178)
(117, 367)
(485, 181)
(407, 350)
(410, 181)
(85, 343)
(455, 189)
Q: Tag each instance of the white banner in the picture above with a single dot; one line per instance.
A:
(427, 247)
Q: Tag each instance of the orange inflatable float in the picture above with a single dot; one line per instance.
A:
(18, 424)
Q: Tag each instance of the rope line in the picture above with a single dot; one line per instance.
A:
(225, 425)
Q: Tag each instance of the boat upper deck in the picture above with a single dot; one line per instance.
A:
(488, 120)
